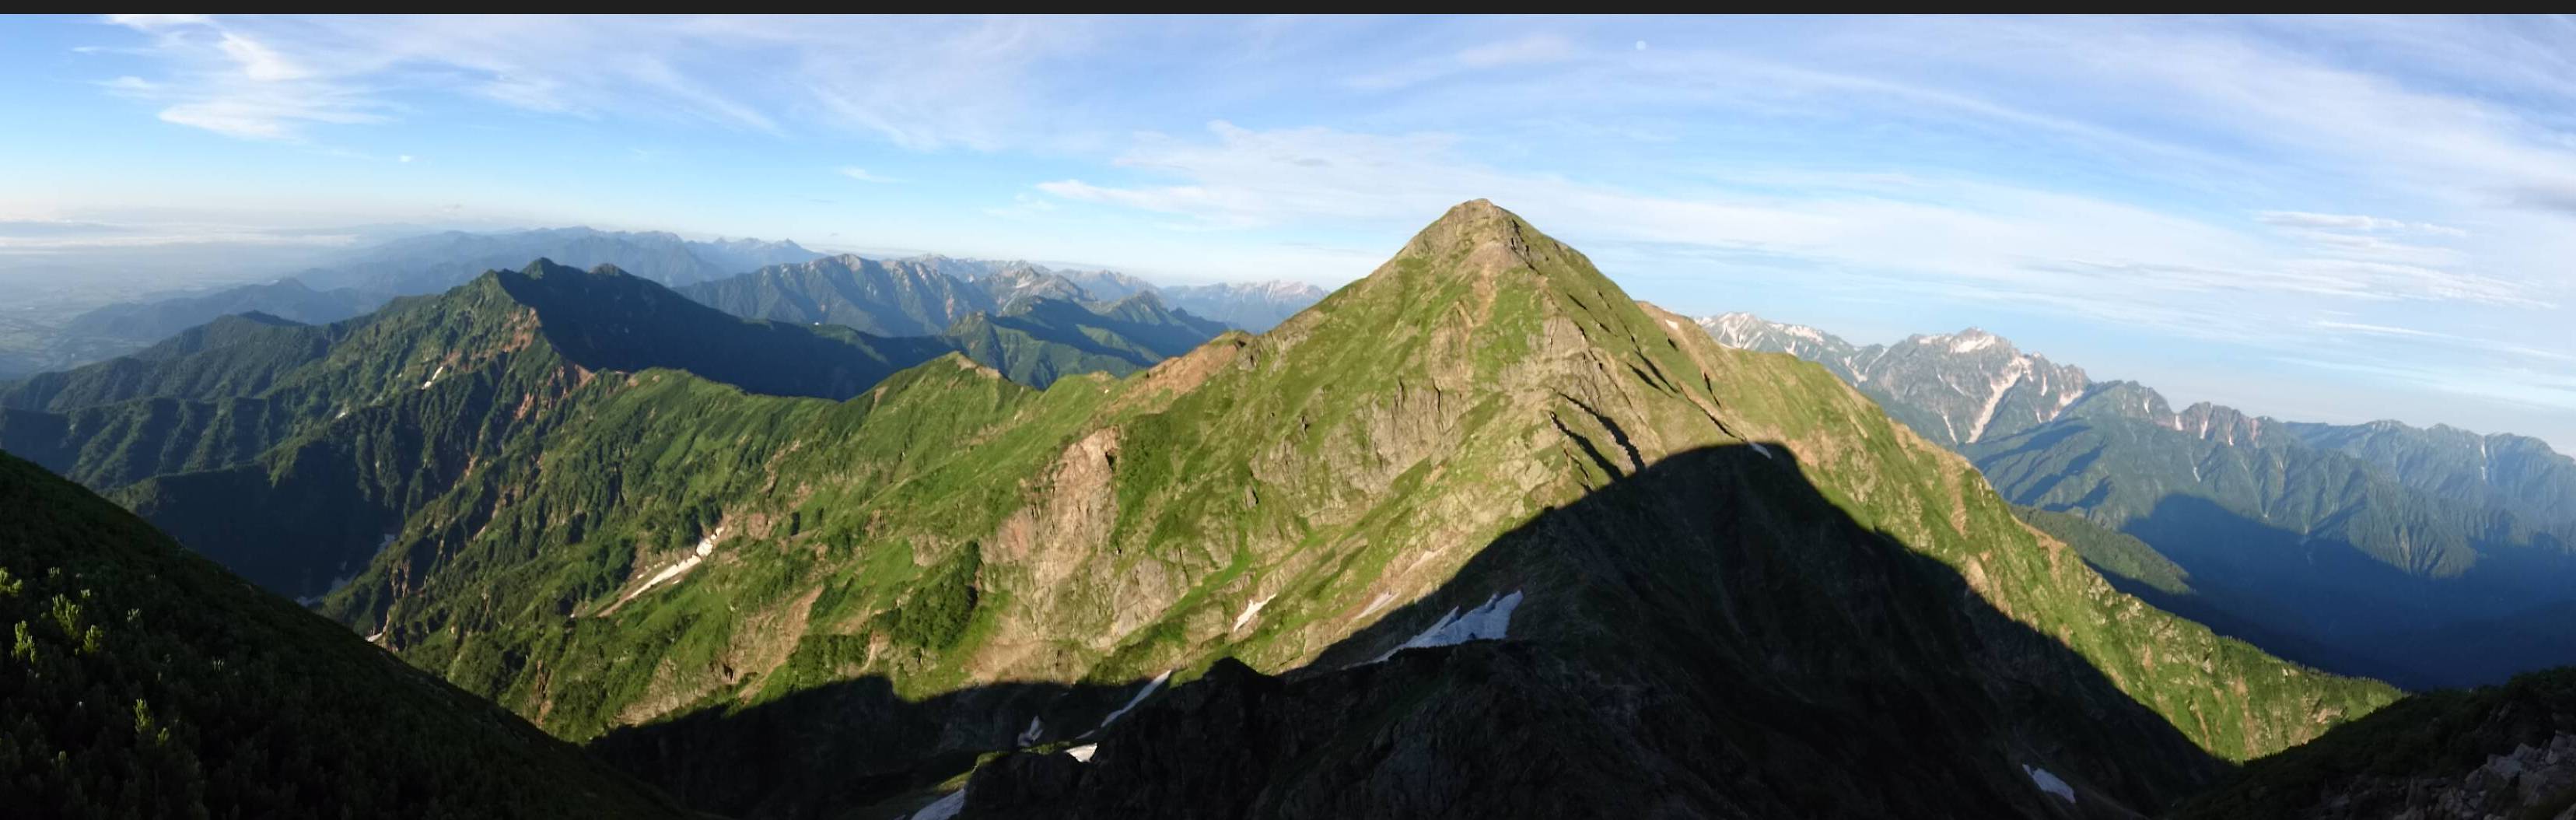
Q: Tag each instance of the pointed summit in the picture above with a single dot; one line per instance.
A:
(1477, 239)
(1474, 243)
(1472, 225)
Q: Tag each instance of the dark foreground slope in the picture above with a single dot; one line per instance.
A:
(2500, 751)
(147, 682)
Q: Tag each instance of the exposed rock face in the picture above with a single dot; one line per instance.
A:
(2530, 781)
(2504, 751)
(1956, 389)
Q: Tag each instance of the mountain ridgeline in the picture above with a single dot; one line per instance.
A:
(886, 298)
(1032, 324)
(2430, 557)
(366, 279)
(1474, 535)
(918, 296)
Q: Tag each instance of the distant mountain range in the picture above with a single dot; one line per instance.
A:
(2364, 548)
(1252, 306)
(903, 297)
(885, 297)
(427, 264)
(1956, 389)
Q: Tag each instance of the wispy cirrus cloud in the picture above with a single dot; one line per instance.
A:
(2351, 222)
(920, 83)
(1531, 49)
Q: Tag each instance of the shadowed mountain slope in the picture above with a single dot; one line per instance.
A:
(148, 682)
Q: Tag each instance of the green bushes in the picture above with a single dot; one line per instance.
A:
(935, 616)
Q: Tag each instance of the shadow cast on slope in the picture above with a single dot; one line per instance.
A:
(824, 751)
(1709, 637)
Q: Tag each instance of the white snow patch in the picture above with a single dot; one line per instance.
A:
(1254, 608)
(1971, 343)
(379, 637)
(1803, 332)
(1672, 325)
(1031, 735)
(344, 413)
(667, 573)
(1487, 622)
(2049, 783)
(1377, 603)
(2001, 384)
(1757, 447)
(706, 546)
(1150, 686)
(433, 377)
(943, 808)
(1083, 752)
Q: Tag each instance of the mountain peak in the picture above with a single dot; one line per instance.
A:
(1489, 237)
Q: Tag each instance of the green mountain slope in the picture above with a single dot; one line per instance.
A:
(2517, 473)
(771, 604)
(231, 356)
(2291, 539)
(1038, 340)
(145, 681)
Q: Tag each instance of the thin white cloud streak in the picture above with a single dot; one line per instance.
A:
(1532, 49)
(2351, 222)
(919, 83)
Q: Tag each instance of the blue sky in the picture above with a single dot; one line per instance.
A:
(2332, 219)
